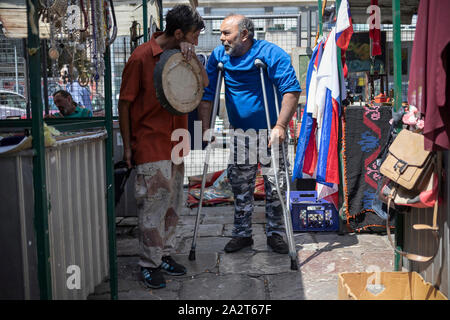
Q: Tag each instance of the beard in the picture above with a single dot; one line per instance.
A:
(234, 50)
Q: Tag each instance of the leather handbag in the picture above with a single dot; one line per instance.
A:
(407, 162)
(397, 193)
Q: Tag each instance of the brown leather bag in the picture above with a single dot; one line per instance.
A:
(411, 168)
(407, 162)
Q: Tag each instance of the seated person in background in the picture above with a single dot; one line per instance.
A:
(80, 94)
(67, 107)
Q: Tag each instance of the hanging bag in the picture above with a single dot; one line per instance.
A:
(412, 178)
(407, 162)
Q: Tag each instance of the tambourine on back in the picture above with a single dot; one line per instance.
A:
(178, 82)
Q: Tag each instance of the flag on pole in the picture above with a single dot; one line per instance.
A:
(328, 98)
(306, 153)
(344, 31)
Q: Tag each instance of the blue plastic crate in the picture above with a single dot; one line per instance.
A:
(310, 214)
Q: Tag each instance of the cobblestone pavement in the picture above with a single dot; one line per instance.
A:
(254, 273)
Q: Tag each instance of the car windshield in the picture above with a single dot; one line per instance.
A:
(12, 100)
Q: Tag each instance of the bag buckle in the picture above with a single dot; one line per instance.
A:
(401, 166)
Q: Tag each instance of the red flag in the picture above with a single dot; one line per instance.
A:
(374, 28)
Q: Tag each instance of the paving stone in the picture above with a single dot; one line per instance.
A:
(321, 262)
(252, 273)
(204, 230)
(127, 268)
(321, 289)
(203, 244)
(247, 261)
(188, 211)
(128, 222)
(123, 231)
(203, 263)
(332, 240)
(186, 221)
(223, 287)
(286, 286)
(122, 285)
(127, 246)
(218, 219)
(384, 260)
(170, 292)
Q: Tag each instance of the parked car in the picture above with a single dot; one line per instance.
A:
(12, 105)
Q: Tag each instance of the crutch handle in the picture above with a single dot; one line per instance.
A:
(220, 66)
(260, 64)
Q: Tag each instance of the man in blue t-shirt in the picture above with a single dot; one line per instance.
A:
(246, 113)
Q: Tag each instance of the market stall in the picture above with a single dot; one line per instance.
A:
(68, 161)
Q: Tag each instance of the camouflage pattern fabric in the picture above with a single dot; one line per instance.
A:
(159, 199)
(242, 175)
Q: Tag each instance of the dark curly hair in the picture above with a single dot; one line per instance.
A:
(64, 93)
(183, 17)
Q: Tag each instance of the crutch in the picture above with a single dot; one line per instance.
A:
(285, 207)
(205, 166)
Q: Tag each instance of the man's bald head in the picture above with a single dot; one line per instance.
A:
(237, 34)
(243, 23)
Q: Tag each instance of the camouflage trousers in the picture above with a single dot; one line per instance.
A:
(242, 172)
(159, 199)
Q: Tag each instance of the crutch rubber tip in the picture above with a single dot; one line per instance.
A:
(192, 255)
(294, 265)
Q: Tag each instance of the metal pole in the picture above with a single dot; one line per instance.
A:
(397, 59)
(145, 19)
(27, 79)
(37, 130)
(17, 75)
(319, 11)
(299, 30)
(308, 28)
(44, 75)
(110, 178)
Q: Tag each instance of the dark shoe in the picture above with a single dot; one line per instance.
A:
(238, 243)
(153, 278)
(169, 266)
(277, 243)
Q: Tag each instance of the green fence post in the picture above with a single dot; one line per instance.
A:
(397, 58)
(319, 4)
(110, 178)
(145, 19)
(37, 130)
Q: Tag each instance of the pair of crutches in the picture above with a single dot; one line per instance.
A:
(285, 207)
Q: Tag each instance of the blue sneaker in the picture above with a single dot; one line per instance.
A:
(169, 266)
(153, 278)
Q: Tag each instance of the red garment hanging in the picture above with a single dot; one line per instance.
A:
(429, 88)
(375, 33)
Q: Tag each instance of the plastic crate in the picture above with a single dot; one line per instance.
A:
(310, 214)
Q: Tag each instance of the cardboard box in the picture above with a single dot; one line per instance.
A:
(386, 286)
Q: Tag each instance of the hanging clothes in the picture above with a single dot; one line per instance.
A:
(375, 31)
(429, 72)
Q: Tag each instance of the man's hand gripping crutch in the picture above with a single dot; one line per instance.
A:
(285, 207)
(206, 163)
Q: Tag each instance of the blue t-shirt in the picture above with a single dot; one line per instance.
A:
(243, 89)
